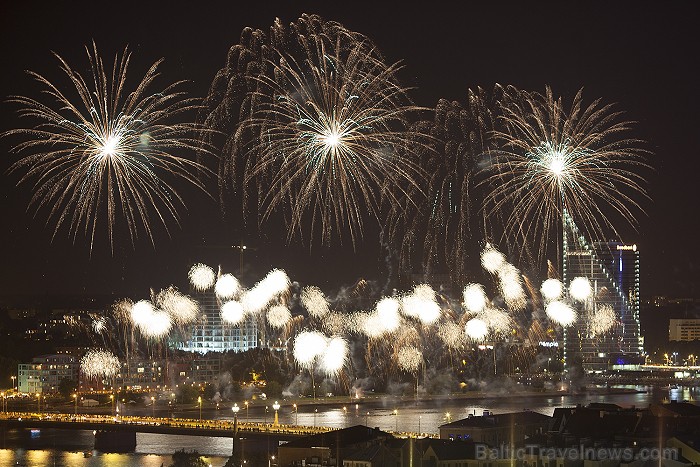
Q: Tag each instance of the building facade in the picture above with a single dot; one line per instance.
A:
(684, 330)
(613, 270)
(211, 334)
(45, 373)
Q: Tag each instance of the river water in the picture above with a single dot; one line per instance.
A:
(66, 448)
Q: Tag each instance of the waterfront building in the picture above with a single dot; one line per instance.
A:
(211, 334)
(45, 373)
(684, 330)
(613, 269)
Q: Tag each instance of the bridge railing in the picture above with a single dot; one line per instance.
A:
(195, 424)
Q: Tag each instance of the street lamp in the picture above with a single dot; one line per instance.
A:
(38, 402)
(296, 415)
(276, 406)
(199, 401)
(396, 417)
(247, 418)
(111, 398)
(315, 412)
(4, 409)
(235, 410)
(75, 401)
(419, 419)
(366, 419)
(13, 378)
(153, 406)
(269, 462)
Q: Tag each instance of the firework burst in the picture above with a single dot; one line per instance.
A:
(202, 277)
(107, 149)
(555, 160)
(99, 364)
(602, 320)
(337, 113)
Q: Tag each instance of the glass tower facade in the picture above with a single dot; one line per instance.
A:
(211, 334)
(613, 271)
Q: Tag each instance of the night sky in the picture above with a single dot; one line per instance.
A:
(641, 55)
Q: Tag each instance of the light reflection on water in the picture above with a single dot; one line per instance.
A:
(153, 450)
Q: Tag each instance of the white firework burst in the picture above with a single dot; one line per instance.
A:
(409, 358)
(270, 288)
(510, 282)
(227, 286)
(492, 259)
(474, 297)
(552, 289)
(232, 312)
(141, 313)
(278, 316)
(315, 302)
(182, 309)
(202, 277)
(603, 320)
(452, 335)
(476, 329)
(387, 313)
(308, 345)
(580, 289)
(334, 358)
(497, 320)
(98, 363)
(421, 304)
(560, 313)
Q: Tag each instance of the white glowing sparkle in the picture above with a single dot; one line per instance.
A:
(551, 289)
(308, 345)
(476, 329)
(227, 286)
(232, 312)
(474, 297)
(580, 289)
(201, 277)
(561, 313)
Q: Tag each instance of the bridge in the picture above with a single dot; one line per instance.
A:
(118, 433)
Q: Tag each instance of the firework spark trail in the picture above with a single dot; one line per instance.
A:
(108, 148)
(555, 160)
(202, 277)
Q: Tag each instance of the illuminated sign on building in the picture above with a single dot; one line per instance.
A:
(549, 344)
(627, 247)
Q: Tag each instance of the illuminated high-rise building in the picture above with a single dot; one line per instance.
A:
(211, 334)
(613, 271)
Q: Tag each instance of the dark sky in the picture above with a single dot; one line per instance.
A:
(642, 55)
